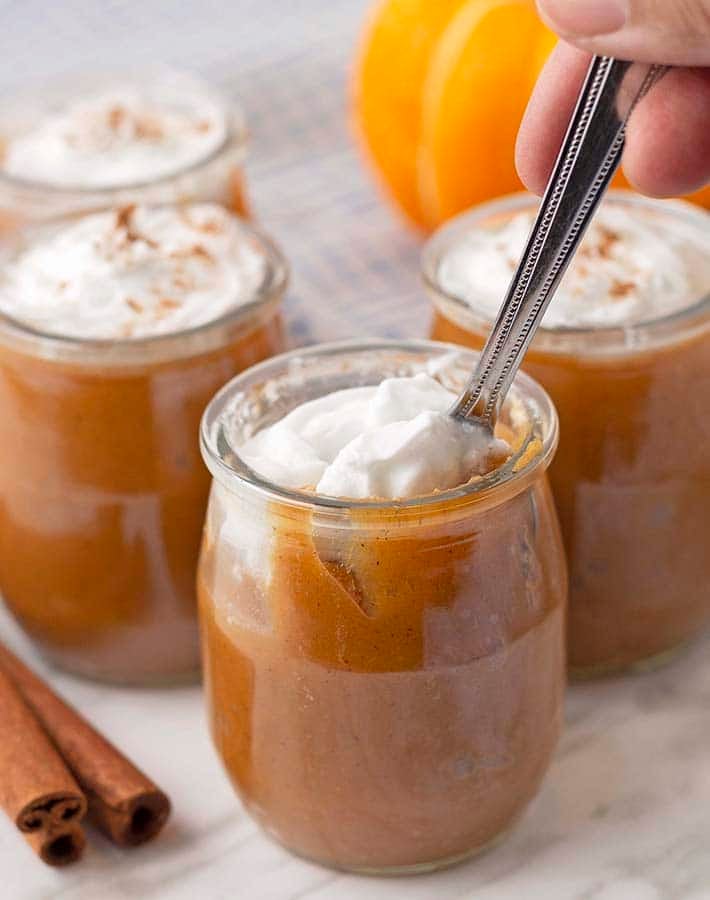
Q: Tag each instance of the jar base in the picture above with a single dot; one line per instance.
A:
(637, 667)
(188, 677)
(401, 871)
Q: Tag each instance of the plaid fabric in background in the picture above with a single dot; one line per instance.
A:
(355, 265)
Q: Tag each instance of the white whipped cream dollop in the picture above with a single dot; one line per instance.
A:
(390, 441)
(134, 272)
(631, 267)
(127, 134)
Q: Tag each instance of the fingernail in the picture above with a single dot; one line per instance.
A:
(585, 18)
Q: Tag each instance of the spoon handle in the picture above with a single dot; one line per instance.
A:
(590, 154)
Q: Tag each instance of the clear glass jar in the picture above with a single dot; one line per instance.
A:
(218, 177)
(384, 679)
(631, 478)
(103, 488)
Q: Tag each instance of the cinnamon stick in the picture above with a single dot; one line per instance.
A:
(37, 790)
(60, 846)
(123, 802)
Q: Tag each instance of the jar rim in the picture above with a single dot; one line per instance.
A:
(270, 290)
(235, 138)
(565, 338)
(515, 474)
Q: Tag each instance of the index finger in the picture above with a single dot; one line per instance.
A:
(548, 113)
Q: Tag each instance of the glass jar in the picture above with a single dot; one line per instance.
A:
(103, 492)
(632, 476)
(218, 177)
(384, 679)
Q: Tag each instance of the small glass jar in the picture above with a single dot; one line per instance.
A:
(103, 489)
(632, 476)
(384, 679)
(217, 177)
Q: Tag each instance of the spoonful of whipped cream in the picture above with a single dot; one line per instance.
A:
(390, 441)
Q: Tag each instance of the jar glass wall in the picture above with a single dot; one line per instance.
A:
(631, 478)
(384, 679)
(103, 489)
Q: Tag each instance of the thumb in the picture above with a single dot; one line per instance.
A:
(675, 32)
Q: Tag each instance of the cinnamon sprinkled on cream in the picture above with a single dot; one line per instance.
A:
(129, 133)
(606, 243)
(621, 289)
(630, 267)
(134, 272)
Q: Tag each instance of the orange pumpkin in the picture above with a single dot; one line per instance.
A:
(440, 87)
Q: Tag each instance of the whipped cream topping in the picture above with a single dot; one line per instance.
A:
(390, 441)
(134, 272)
(123, 135)
(632, 266)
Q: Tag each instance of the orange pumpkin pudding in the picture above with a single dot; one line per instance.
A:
(382, 599)
(115, 329)
(624, 352)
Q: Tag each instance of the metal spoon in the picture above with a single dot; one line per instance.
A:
(590, 154)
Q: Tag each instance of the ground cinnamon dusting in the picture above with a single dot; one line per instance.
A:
(123, 217)
(115, 117)
(609, 239)
(148, 129)
(197, 250)
(621, 289)
(209, 226)
(134, 305)
(166, 303)
(181, 282)
(124, 223)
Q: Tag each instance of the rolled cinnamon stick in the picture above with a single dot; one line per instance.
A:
(37, 790)
(60, 846)
(123, 802)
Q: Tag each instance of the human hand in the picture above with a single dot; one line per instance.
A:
(668, 138)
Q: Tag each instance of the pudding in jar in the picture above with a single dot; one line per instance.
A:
(624, 351)
(382, 595)
(115, 330)
(103, 141)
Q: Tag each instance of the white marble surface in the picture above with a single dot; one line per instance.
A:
(625, 811)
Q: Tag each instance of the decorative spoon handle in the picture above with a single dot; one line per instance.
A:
(590, 154)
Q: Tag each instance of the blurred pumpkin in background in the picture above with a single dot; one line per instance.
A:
(440, 87)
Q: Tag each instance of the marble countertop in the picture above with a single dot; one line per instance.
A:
(624, 813)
